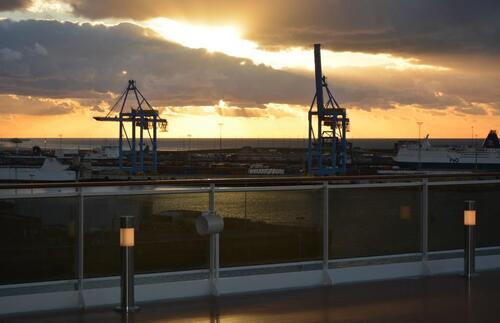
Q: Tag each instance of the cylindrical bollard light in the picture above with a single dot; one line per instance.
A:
(470, 239)
(127, 242)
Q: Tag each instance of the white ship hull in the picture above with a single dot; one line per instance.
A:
(449, 157)
(51, 170)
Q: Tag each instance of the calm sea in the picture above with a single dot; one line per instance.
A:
(179, 144)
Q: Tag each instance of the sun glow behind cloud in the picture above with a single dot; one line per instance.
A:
(276, 120)
(225, 39)
(54, 7)
(229, 40)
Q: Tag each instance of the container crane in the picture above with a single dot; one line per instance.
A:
(141, 115)
(328, 124)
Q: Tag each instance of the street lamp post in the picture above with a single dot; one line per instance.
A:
(472, 136)
(220, 136)
(189, 150)
(419, 123)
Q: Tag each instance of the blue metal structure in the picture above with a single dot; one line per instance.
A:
(142, 116)
(327, 146)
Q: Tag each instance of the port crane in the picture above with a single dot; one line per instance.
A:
(143, 116)
(328, 124)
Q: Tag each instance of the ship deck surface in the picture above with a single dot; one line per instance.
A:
(431, 299)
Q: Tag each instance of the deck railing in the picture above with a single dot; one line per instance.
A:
(68, 232)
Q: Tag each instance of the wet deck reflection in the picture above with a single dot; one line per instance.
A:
(435, 299)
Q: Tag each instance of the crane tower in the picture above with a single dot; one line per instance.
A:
(328, 124)
(142, 116)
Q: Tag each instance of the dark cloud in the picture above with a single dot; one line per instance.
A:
(369, 88)
(409, 27)
(27, 105)
(65, 60)
(97, 108)
(272, 111)
(200, 10)
(7, 54)
(7, 5)
(394, 26)
(222, 111)
(69, 60)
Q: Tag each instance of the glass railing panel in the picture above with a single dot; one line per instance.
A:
(37, 239)
(270, 227)
(446, 207)
(166, 239)
(374, 221)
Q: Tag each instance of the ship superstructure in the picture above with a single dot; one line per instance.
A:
(467, 157)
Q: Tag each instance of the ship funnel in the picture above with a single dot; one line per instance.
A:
(491, 140)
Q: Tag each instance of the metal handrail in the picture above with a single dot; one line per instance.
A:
(149, 190)
(292, 180)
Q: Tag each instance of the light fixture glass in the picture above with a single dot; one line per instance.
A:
(470, 217)
(127, 237)
(405, 212)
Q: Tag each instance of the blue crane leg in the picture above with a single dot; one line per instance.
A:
(133, 152)
(141, 144)
(155, 146)
(120, 146)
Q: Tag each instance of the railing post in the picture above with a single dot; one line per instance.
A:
(327, 279)
(214, 246)
(424, 222)
(80, 244)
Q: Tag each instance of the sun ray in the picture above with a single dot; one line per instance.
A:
(229, 40)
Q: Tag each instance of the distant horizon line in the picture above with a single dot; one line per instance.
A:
(239, 138)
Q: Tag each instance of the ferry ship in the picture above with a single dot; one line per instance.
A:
(423, 154)
(37, 165)
(51, 169)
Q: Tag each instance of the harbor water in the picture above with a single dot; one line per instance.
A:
(181, 144)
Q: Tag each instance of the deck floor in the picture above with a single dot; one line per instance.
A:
(434, 299)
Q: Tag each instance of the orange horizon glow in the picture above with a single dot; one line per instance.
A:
(375, 124)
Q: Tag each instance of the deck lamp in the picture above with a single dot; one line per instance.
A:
(470, 239)
(469, 213)
(127, 242)
(405, 212)
(127, 237)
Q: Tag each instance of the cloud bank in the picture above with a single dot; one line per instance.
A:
(50, 59)
(7, 5)
(389, 26)
(53, 59)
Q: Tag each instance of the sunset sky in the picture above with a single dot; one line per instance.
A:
(249, 65)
